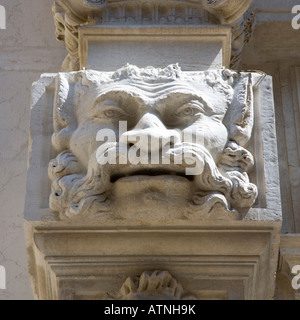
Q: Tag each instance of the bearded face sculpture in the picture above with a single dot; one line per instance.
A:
(152, 144)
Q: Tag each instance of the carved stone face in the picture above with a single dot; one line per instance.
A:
(154, 115)
(157, 113)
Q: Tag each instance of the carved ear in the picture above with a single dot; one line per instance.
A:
(64, 120)
(239, 117)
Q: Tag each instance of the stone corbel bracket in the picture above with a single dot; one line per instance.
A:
(233, 261)
(70, 15)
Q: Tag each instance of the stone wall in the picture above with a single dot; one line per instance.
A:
(27, 49)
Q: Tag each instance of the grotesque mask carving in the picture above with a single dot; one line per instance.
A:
(152, 144)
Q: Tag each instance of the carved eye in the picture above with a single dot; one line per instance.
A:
(189, 110)
(111, 113)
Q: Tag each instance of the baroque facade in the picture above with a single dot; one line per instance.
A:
(162, 158)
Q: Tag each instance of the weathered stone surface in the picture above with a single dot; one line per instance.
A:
(174, 146)
(193, 47)
(29, 49)
(219, 260)
(163, 154)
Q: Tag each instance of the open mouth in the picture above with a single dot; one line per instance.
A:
(150, 173)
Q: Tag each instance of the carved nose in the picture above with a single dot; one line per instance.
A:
(150, 134)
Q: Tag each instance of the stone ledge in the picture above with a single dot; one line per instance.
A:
(68, 261)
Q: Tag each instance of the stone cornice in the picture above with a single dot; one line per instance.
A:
(70, 15)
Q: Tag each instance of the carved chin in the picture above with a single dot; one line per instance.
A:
(162, 195)
(145, 195)
(138, 193)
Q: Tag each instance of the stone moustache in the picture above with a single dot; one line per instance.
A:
(193, 119)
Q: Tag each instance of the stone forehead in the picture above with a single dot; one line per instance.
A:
(214, 87)
(150, 74)
(156, 83)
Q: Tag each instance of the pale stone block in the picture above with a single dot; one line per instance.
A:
(157, 47)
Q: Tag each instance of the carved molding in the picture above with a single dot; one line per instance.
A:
(203, 261)
(70, 15)
(196, 48)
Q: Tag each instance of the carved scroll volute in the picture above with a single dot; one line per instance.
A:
(227, 11)
(67, 18)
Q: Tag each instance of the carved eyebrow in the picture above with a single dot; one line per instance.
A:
(179, 99)
(118, 98)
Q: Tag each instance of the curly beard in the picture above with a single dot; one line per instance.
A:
(221, 192)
